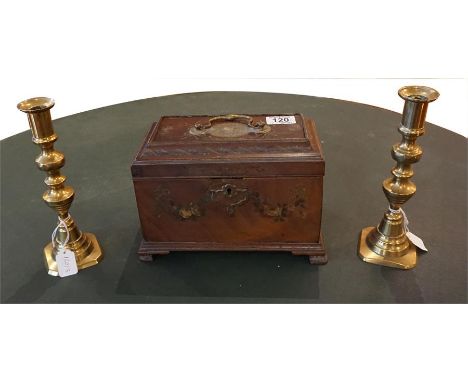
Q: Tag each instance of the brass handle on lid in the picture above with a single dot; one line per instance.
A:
(245, 119)
(230, 126)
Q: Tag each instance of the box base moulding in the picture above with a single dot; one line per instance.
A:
(315, 251)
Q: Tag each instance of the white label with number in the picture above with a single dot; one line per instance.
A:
(281, 120)
(417, 241)
(66, 263)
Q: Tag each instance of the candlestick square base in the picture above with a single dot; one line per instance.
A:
(406, 261)
(93, 258)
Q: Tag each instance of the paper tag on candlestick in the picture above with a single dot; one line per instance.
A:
(416, 241)
(66, 262)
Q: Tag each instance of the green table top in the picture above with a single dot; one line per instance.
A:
(99, 146)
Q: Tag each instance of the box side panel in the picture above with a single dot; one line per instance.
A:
(231, 211)
(312, 136)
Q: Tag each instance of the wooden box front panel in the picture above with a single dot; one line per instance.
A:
(230, 211)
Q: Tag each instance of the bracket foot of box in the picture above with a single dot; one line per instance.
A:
(314, 251)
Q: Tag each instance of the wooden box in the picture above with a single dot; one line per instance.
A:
(234, 182)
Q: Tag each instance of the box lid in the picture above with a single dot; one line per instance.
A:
(230, 146)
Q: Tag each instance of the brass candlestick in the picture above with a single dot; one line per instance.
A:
(58, 196)
(388, 244)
